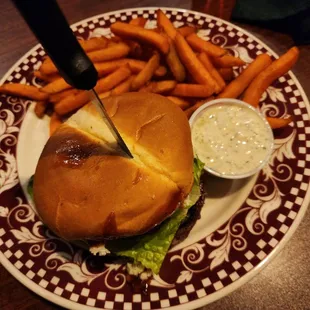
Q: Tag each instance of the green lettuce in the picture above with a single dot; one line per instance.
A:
(151, 249)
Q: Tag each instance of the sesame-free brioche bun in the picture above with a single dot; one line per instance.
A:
(85, 187)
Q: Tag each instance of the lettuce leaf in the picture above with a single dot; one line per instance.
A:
(151, 249)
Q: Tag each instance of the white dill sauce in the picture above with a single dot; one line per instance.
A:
(231, 139)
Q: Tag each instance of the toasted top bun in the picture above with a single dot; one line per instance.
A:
(85, 187)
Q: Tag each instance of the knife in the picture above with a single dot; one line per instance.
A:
(51, 28)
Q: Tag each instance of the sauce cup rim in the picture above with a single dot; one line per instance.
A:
(227, 101)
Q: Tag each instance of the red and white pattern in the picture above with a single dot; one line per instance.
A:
(196, 274)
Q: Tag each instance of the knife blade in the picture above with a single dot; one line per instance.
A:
(51, 28)
(106, 118)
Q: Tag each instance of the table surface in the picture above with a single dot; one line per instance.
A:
(284, 283)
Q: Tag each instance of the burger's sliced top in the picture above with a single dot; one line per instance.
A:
(83, 176)
(156, 132)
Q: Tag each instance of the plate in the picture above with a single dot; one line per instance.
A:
(243, 223)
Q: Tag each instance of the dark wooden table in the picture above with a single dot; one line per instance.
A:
(285, 282)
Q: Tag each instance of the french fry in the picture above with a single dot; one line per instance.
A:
(122, 88)
(53, 98)
(56, 86)
(180, 102)
(227, 61)
(192, 63)
(226, 73)
(165, 24)
(146, 73)
(89, 46)
(107, 67)
(139, 21)
(48, 67)
(112, 80)
(46, 78)
(105, 84)
(40, 108)
(276, 123)
(174, 63)
(159, 87)
(236, 87)
(186, 30)
(205, 60)
(201, 45)
(262, 81)
(135, 65)
(55, 122)
(113, 52)
(22, 90)
(197, 105)
(135, 32)
(192, 90)
(105, 94)
(94, 44)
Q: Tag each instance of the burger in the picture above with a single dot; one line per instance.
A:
(86, 188)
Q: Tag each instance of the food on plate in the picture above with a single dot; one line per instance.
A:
(192, 63)
(192, 90)
(86, 188)
(276, 122)
(139, 21)
(27, 91)
(231, 138)
(146, 73)
(73, 102)
(135, 65)
(56, 86)
(226, 73)
(48, 67)
(46, 78)
(181, 102)
(227, 61)
(186, 30)
(201, 45)
(54, 98)
(164, 23)
(128, 31)
(236, 87)
(116, 51)
(94, 44)
(188, 69)
(123, 87)
(279, 67)
(159, 87)
(205, 60)
(174, 63)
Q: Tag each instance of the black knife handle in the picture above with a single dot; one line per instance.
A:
(51, 28)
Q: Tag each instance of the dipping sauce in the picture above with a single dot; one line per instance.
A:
(231, 139)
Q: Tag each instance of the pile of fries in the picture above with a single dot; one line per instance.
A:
(172, 62)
